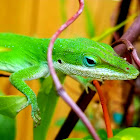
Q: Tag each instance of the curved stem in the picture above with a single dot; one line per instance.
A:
(79, 113)
(72, 118)
(58, 85)
(105, 110)
(58, 32)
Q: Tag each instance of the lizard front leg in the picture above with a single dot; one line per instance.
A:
(85, 82)
(17, 79)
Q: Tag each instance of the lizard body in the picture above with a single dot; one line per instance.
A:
(26, 59)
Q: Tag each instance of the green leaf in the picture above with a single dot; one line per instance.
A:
(132, 133)
(10, 105)
(1, 93)
(47, 100)
(88, 138)
(102, 134)
(113, 29)
(7, 128)
(63, 10)
(78, 138)
(89, 23)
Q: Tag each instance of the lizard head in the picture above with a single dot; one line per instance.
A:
(87, 58)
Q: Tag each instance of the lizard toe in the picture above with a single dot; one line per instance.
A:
(36, 117)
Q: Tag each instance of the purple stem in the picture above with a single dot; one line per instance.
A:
(72, 118)
(57, 33)
(79, 113)
(58, 85)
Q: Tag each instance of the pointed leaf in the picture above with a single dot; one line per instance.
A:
(47, 100)
(10, 105)
(7, 128)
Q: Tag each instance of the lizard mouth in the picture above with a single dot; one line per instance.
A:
(118, 77)
(99, 73)
(115, 75)
(109, 74)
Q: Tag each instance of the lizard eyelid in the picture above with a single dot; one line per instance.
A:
(89, 62)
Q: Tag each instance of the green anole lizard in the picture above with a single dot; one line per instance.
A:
(26, 59)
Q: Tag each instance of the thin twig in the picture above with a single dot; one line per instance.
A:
(105, 110)
(4, 75)
(58, 85)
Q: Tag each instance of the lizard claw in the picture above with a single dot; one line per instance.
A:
(85, 82)
(89, 85)
(36, 117)
(35, 113)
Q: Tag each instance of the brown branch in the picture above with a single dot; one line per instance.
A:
(131, 34)
(4, 75)
(130, 49)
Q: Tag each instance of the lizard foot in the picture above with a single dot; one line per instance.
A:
(85, 82)
(36, 118)
(89, 85)
(35, 112)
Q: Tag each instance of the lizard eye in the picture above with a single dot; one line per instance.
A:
(89, 62)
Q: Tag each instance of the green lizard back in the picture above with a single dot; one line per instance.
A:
(79, 56)
(22, 51)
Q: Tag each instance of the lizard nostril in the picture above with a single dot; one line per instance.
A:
(59, 61)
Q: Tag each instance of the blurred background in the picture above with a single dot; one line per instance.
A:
(41, 18)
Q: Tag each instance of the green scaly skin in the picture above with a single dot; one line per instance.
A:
(26, 58)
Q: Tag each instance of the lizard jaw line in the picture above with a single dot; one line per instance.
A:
(98, 74)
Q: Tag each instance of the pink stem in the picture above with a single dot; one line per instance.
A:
(57, 33)
(58, 85)
(79, 113)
